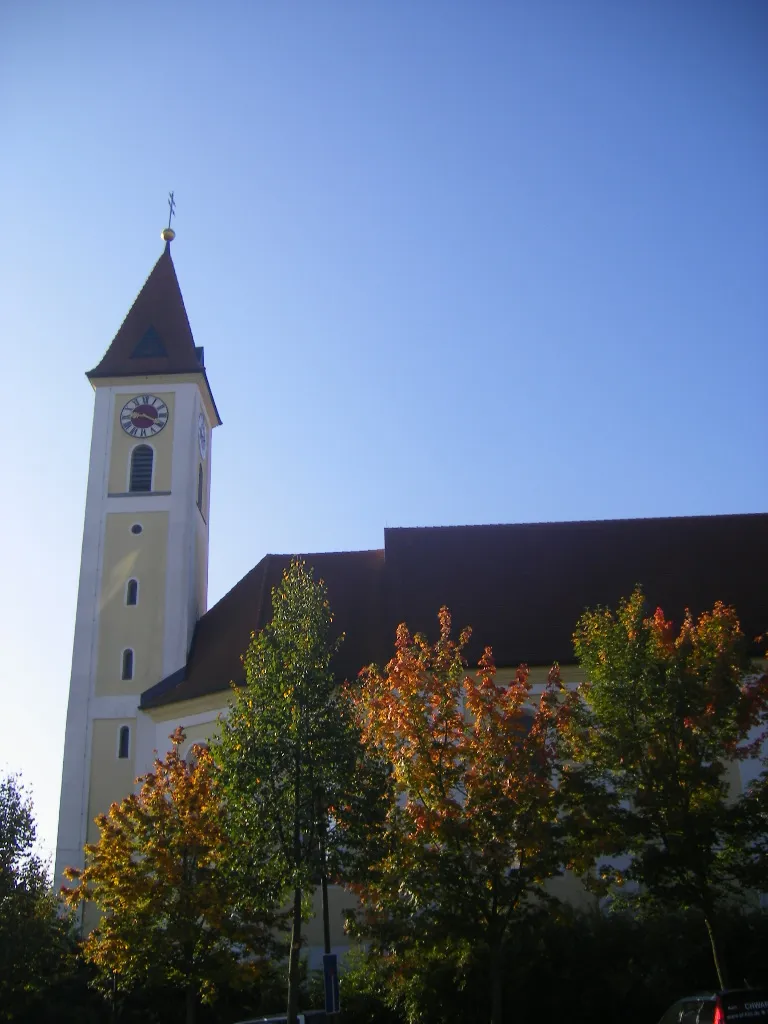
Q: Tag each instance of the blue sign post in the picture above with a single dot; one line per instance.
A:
(331, 979)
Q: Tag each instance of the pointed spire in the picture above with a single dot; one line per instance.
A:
(155, 337)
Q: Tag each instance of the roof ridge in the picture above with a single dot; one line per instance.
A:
(574, 522)
(324, 554)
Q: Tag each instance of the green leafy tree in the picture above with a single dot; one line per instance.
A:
(658, 728)
(35, 947)
(160, 875)
(287, 750)
(472, 832)
(749, 845)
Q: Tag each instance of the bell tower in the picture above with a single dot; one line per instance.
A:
(144, 566)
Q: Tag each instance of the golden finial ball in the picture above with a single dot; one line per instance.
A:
(167, 234)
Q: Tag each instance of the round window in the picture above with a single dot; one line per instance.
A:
(137, 528)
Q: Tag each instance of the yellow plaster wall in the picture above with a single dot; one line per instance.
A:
(111, 776)
(339, 901)
(172, 714)
(123, 444)
(199, 733)
(143, 557)
(570, 674)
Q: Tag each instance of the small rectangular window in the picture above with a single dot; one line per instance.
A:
(128, 664)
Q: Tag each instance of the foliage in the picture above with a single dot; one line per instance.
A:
(160, 876)
(35, 947)
(608, 968)
(750, 862)
(471, 832)
(658, 728)
(287, 750)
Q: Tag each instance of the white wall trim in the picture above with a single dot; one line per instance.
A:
(139, 501)
(73, 805)
(115, 707)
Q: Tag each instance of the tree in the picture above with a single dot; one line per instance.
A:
(471, 834)
(34, 939)
(657, 728)
(287, 750)
(159, 874)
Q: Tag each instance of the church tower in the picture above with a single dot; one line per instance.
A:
(144, 568)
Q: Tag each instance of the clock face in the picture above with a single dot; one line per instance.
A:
(202, 435)
(144, 416)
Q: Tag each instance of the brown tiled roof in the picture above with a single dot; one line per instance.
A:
(521, 587)
(354, 581)
(155, 338)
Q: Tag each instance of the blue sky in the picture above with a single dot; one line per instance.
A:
(451, 262)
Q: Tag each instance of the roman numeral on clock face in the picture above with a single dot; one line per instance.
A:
(144, 416)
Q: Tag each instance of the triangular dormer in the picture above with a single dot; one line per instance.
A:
(150, 346)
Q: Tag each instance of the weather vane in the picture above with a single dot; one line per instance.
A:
(168, 234)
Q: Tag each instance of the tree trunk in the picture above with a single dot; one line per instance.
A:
(495, 965)
(326, 916)
(190, 1000)
(293, 960)
(721, 975)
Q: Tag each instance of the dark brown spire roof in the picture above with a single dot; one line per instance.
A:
(155, 337)
(521, 587)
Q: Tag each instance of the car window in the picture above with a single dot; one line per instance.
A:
(707, 1012)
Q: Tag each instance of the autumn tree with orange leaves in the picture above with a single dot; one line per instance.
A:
(159, 876)
(471, 833)
(660, 728)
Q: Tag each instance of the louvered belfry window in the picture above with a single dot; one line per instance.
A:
(141, 468)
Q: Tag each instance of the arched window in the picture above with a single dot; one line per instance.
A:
(141, 468)
(200, 487)
(128, 663)
(132, 592)
(124, 741)
(195, 748)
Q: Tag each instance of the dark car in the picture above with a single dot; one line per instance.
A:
(738, 1004)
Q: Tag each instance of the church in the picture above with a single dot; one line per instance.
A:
(149, 654)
